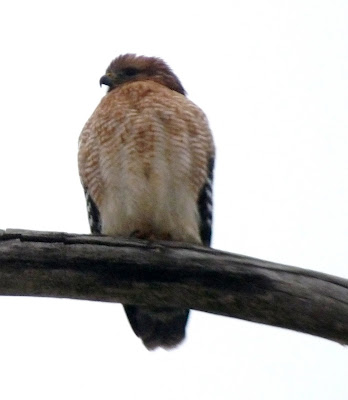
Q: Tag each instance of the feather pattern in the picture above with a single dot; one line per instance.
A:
(146, 158)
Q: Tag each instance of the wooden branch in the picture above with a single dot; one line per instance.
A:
(102, 268)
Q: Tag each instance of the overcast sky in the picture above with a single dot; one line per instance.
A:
(272, 77)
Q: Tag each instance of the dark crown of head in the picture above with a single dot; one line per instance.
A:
(130, 67)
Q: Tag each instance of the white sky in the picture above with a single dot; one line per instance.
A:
(272, 78)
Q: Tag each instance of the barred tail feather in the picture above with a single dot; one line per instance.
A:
(158, 327)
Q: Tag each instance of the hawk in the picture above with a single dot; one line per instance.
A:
(146, 158)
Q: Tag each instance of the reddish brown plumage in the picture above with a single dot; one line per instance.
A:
(150, 68)
(144, 160)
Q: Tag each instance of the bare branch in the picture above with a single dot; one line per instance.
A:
(102, 268)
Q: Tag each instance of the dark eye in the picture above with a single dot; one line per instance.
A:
(130, 71)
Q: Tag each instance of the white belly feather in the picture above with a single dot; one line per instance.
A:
(158, 201)
(143, 158)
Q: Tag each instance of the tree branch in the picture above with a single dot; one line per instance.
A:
(102, 268)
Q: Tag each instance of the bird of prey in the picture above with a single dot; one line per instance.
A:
(146, 159)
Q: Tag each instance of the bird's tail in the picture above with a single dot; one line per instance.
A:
(158, 327)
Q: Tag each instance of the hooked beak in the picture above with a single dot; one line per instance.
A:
(106, 80)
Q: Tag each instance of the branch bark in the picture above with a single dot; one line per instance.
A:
(102, 268)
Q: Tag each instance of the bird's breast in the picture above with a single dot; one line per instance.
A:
(153, 147)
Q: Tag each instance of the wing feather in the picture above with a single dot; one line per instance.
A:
(205, 206)
(93, 214)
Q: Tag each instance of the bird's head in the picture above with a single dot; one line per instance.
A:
(130, 68)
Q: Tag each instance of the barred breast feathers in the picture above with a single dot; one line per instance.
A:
(145, 157)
